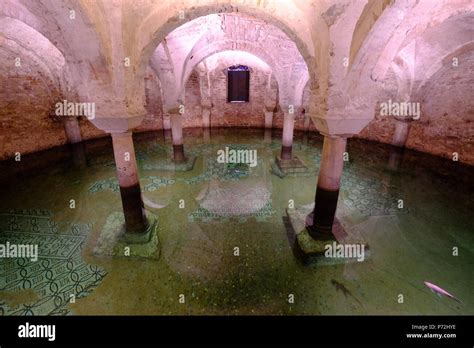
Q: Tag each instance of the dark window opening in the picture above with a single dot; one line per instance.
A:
(238, 84)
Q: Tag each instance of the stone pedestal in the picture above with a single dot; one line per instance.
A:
(114, 240)
(178, 153)
(313, 251)
(291, 166)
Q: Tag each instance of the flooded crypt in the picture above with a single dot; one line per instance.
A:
(229, 157)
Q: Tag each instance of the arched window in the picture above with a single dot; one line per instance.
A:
(238, 84)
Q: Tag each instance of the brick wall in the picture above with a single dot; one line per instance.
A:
(26, 125)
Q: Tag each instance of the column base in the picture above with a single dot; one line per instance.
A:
(167, 134)
(178, 154)
(206, 135)
(136, 222)
(115, 241)
(168, 164)
(319, 223)
(78, 154)
(395, 159)
(320, 232)
(267, 136)
(286, 152)
(289, 166)
(314, 251)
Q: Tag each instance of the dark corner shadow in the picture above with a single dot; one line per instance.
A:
(291, 235)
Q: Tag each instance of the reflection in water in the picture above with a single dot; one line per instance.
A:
(78, 155)
(234, 199)
(207, 212)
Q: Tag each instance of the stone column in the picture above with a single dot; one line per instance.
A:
(268, 119)
(166, 126)
(127, 174)
(400, 137)
(72, 130)
(177, 135)
(287, 140)
(206, 117)
(402, 129)
(206, 136)
(395, 158)
(267, 136)
(320, 222)
(74, 138)
(307, 121)
(166, 121)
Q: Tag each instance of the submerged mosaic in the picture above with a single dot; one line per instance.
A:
(228, 249)
(59, 271)
(362, 191)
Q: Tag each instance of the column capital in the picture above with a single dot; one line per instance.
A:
(269, 108)
(118, 124)
(173, 108)
(340, 126)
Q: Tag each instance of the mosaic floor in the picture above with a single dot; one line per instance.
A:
(60, 271)
(224, 241)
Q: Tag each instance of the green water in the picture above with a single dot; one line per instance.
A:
(228, 207)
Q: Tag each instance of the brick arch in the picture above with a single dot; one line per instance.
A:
(37, 53)
(397, 26)
(51, 20)
(222, 46)
(157, 26)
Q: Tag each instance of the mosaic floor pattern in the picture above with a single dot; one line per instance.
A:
(59, 271)
(362, 191)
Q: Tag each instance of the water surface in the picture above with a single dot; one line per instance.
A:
(227, 207)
